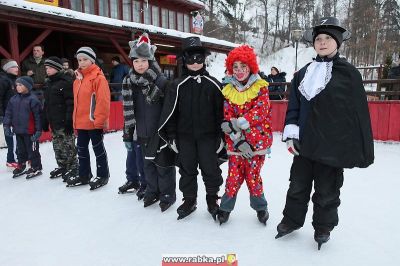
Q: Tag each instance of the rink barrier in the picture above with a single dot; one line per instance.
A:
(385, 119)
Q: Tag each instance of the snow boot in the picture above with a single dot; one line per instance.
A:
(98, 182)
(33, 172)
(321, 236)
(263, 216)
(187, 207)
(20, 170)
(212, 205)
(140, 193)
(76, 180)
(150, 200)
(58, 172)
(129, 187)
(223, 216)
(284, 229)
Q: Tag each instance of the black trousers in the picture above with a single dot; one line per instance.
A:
(96, 136)
(28, 150)
(327, 183)
(202, 153)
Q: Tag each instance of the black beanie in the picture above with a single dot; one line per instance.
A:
(334, 33)
(54, 62)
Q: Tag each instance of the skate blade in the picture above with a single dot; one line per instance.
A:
(184, 215)
(32, 176)
(319, 245)
(97, 187)
(127, 192)
(18, 175)
(77, 185)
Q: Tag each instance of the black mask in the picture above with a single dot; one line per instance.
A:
(190, 59)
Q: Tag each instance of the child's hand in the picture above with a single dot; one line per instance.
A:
(78, 74)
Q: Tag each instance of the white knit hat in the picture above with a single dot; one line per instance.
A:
(10, 64)
(86, 52)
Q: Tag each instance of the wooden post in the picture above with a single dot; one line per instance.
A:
(121, 51)
(13, 39)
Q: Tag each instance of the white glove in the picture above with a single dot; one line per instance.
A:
(173, 146)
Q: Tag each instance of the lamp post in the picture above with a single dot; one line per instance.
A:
(296, 36)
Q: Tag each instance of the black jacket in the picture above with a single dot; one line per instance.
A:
(7, 90)
(280, 77)
(193, 107)
(335, 126)
(59, 101)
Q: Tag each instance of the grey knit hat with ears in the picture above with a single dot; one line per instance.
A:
(142, 48)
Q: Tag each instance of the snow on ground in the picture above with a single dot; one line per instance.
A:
(44, 223)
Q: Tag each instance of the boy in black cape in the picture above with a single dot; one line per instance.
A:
(190, 122)
(327, 128)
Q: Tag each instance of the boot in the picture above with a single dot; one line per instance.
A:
(58, 172)
(187, 207)
(150, 200)
(263, 216)
(321, 236)
(98, 182)
(129, 187)
(212, 205)
(223, 216)
(76, 180)
(284, 229)
(20, 170)
(32, 172)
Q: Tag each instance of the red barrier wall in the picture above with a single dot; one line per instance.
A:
(385, 119)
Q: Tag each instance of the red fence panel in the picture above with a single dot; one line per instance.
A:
(385, 119)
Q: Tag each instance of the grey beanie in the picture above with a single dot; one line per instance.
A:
(142, 48)
(86, 52)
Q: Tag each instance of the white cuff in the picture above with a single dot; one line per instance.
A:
(290, 131)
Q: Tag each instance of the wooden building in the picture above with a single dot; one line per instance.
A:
(63, 26)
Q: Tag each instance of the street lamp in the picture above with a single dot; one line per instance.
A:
(296, 36)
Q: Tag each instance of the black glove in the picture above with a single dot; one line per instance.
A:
(68, 130)
(293, 146)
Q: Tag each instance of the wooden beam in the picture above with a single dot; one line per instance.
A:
(13, 39)
(4, 52)
(38, 40)
(121, 51)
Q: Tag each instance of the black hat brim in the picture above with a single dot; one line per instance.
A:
(308, 34)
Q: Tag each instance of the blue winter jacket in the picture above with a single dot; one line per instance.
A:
(117, 75)
(23, 114)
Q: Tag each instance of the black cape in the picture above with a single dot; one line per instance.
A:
(338, 127)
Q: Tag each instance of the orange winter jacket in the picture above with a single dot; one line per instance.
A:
(91, 100)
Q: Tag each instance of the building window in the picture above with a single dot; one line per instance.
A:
(179, 18)
(127, 10)
(114, 8)
(76, 5)
(103, 8)
(164, 18)
(155, 16)
(171, 19)
(147, 14)
(89, 6)
(186, 23)
(136, 8)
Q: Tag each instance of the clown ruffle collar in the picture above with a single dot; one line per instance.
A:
(233, 95)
